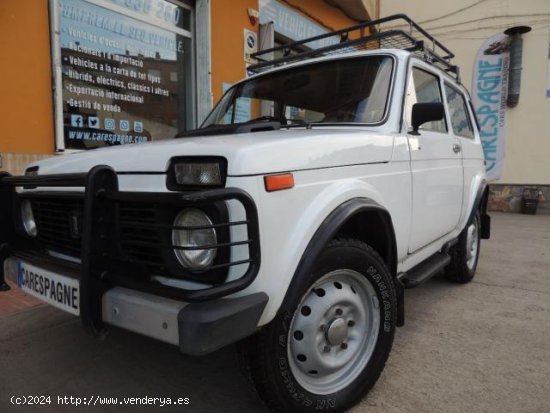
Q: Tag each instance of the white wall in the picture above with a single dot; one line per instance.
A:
(463, 25)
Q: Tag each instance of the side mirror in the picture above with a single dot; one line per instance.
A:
(426, 112)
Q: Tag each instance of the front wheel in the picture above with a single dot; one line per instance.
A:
(328, 346)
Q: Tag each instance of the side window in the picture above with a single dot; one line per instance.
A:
(460, 118)
(424, 88)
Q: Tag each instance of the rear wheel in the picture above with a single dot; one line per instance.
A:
(465, 254)
(330, 344)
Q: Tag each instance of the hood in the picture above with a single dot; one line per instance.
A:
(247, 154)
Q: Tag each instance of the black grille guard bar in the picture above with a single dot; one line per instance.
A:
(46, 180)
(101, 190)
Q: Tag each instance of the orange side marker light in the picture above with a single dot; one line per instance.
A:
(278, 182)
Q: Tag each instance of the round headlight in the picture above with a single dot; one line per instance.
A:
(27, 217)
(194, 258)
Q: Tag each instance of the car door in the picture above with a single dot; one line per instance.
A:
(463, 129)
(436, 166)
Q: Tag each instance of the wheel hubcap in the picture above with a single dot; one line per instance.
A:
(337, 332)
(333, 332)
(472, 244)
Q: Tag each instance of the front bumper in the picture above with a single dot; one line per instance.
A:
(197, 328)
(108, 292)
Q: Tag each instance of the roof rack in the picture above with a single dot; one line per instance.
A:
(413, 38)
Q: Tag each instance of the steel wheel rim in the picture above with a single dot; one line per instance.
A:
(472, 244)
(333, 332)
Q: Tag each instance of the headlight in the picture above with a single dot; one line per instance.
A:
(27, 217)
(196, 173)
(202, 174)
(194, 258)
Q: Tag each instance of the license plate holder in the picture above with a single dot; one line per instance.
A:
(50, 287)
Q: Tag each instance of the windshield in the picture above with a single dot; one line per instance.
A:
(353, 90)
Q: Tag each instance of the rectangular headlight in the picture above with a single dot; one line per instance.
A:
(196, 173)
(202, 174)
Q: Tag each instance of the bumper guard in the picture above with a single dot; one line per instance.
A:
(101, 193)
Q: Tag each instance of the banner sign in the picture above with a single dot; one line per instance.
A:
(292, 24)
(489, 94)
(548, 74)
(123, 78)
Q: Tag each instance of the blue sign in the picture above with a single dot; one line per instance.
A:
(162, 11)
(292, 24)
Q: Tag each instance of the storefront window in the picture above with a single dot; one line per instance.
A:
(124, 71)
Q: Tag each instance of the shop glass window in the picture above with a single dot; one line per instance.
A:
(125, 71)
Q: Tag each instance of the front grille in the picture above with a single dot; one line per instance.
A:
(55, 220)
(54, 217)
(139, 237)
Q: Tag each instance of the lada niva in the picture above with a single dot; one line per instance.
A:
(291, 221)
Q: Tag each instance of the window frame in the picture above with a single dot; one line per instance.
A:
(410, 78)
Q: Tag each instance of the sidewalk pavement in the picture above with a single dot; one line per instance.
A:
(15, 300)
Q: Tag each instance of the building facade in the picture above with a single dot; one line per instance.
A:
(83, 74)
(474, 31)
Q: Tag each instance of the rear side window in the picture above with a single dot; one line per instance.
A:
(424, 88)
(460, 118)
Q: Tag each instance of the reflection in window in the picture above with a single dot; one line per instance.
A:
(155, 73)
(424, 88)
(294, 113)
(137, 76)
(460, 120)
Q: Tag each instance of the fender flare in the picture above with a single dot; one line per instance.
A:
(327, 231)
(480, 204)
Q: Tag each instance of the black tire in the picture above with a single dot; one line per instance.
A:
(462, 269)
(268, 352)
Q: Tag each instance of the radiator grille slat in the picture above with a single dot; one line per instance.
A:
(148, 253)
(53, 221)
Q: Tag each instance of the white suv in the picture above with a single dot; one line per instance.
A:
(313, 194)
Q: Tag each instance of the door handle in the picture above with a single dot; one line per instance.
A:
(456, 148)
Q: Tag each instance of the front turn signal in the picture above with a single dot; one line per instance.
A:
(278, 182)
